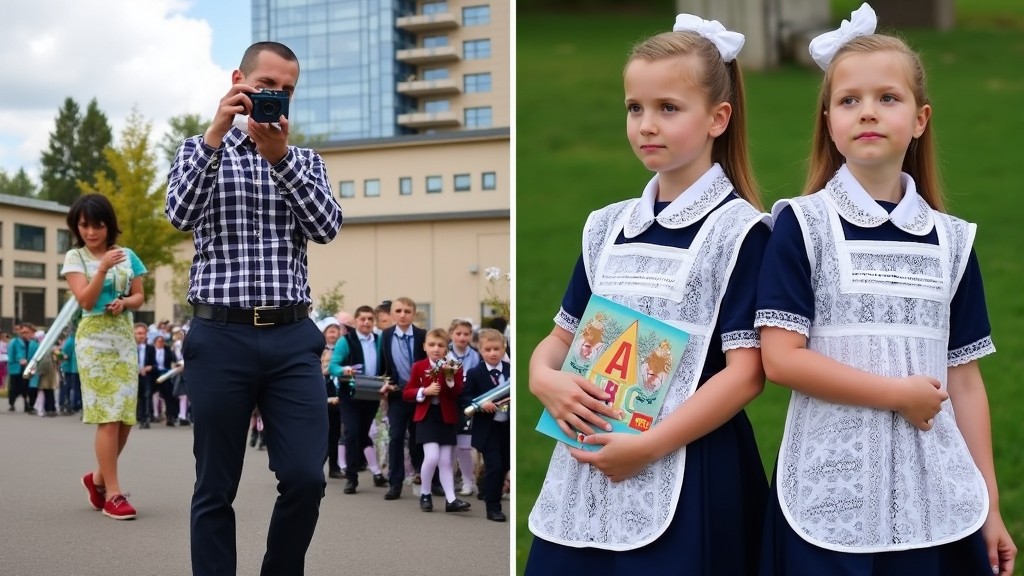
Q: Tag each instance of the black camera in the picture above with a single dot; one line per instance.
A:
(269, 105)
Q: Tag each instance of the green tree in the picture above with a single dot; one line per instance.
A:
(178, 284)
(331, 302)
(93, 137)
(75, 152)
(18, 185)
(182, 127)
(59, 172)
(137, 199)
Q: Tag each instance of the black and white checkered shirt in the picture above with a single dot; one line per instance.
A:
(250, 220)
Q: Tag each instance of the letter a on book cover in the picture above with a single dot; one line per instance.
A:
(629, 355)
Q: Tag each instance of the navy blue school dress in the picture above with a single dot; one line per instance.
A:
(893, 289)
(706, 519)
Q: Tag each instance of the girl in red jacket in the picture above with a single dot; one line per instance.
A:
(434, 385)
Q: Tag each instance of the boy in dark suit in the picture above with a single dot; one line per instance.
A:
(147, 363)
(358, 352)
(401, 346)
(490, 423)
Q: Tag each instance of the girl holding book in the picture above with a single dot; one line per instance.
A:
(688, 495)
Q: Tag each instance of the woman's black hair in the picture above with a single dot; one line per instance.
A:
(94, 209)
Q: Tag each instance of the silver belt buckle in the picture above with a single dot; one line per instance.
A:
(256, 316)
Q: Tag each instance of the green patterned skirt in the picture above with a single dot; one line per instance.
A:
(108, 366)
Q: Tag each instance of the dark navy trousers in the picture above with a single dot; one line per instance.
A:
(230, 369)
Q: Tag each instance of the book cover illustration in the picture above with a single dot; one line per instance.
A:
(629, 355)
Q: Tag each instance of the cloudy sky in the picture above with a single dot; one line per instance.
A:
(166, 57)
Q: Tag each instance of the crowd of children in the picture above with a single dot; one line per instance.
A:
(54, 388)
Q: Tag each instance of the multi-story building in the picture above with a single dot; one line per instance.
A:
(33, 240)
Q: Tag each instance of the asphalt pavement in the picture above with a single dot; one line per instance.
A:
(47, 527)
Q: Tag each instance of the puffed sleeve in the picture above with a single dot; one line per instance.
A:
(785, 296)
(72, 263)
(970, 334)
(575, 300)
(739, 304)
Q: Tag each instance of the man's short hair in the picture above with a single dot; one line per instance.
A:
(407, 301)
(364, 310)
(248, 63)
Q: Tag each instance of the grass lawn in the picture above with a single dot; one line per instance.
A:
(572, 157)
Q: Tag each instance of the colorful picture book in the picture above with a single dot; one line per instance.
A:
(628, 354)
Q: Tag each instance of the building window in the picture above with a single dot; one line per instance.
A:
(478, 117)
(30, 305)
(489, 181)
(63, 241)
(29, 238)
(29, 270)
(435, 73)
(62, 297)
(435, 106)
(435, 41)
(462, 182)
(422, 317)
(435, 8)
(371, 188)
(477, 82)
(434, 184)
(346, 189)
(476, 49)
(405, 186)
(476, 15)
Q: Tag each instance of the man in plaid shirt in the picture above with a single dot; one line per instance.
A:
(253, 202)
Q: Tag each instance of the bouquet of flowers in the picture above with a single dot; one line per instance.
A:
(449, 367)
(498, 286)
(435, 371)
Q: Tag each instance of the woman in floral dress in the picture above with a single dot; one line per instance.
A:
(106, 279)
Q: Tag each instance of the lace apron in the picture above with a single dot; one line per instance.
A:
(578, 506)
(856, 479)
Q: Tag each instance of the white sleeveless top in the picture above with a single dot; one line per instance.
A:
(578, 506)
(857, 479)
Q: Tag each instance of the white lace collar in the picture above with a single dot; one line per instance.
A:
(693, 204)
(856, 206)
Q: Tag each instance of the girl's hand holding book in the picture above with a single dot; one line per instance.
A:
(573, 400)
(621, 456)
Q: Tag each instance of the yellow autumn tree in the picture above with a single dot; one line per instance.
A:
(138, 194)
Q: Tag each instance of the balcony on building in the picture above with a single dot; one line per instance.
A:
(427, 22)
(446, 119)
(418, 56)
(429, 87)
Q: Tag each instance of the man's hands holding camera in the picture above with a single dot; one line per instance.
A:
(271, 140)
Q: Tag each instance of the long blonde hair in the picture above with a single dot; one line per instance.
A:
(722, 82)
(919, 161)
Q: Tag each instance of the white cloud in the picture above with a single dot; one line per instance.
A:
(123, 53)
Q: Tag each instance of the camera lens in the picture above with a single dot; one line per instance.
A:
(270, 108)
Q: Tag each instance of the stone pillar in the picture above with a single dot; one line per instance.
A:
(934, 14)
(757, 20)
(799, 22)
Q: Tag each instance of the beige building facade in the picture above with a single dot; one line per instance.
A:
(33, 240)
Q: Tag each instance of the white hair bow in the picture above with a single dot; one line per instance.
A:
(824, 46)
(727, 42)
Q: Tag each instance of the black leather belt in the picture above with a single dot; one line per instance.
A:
(259, 316)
